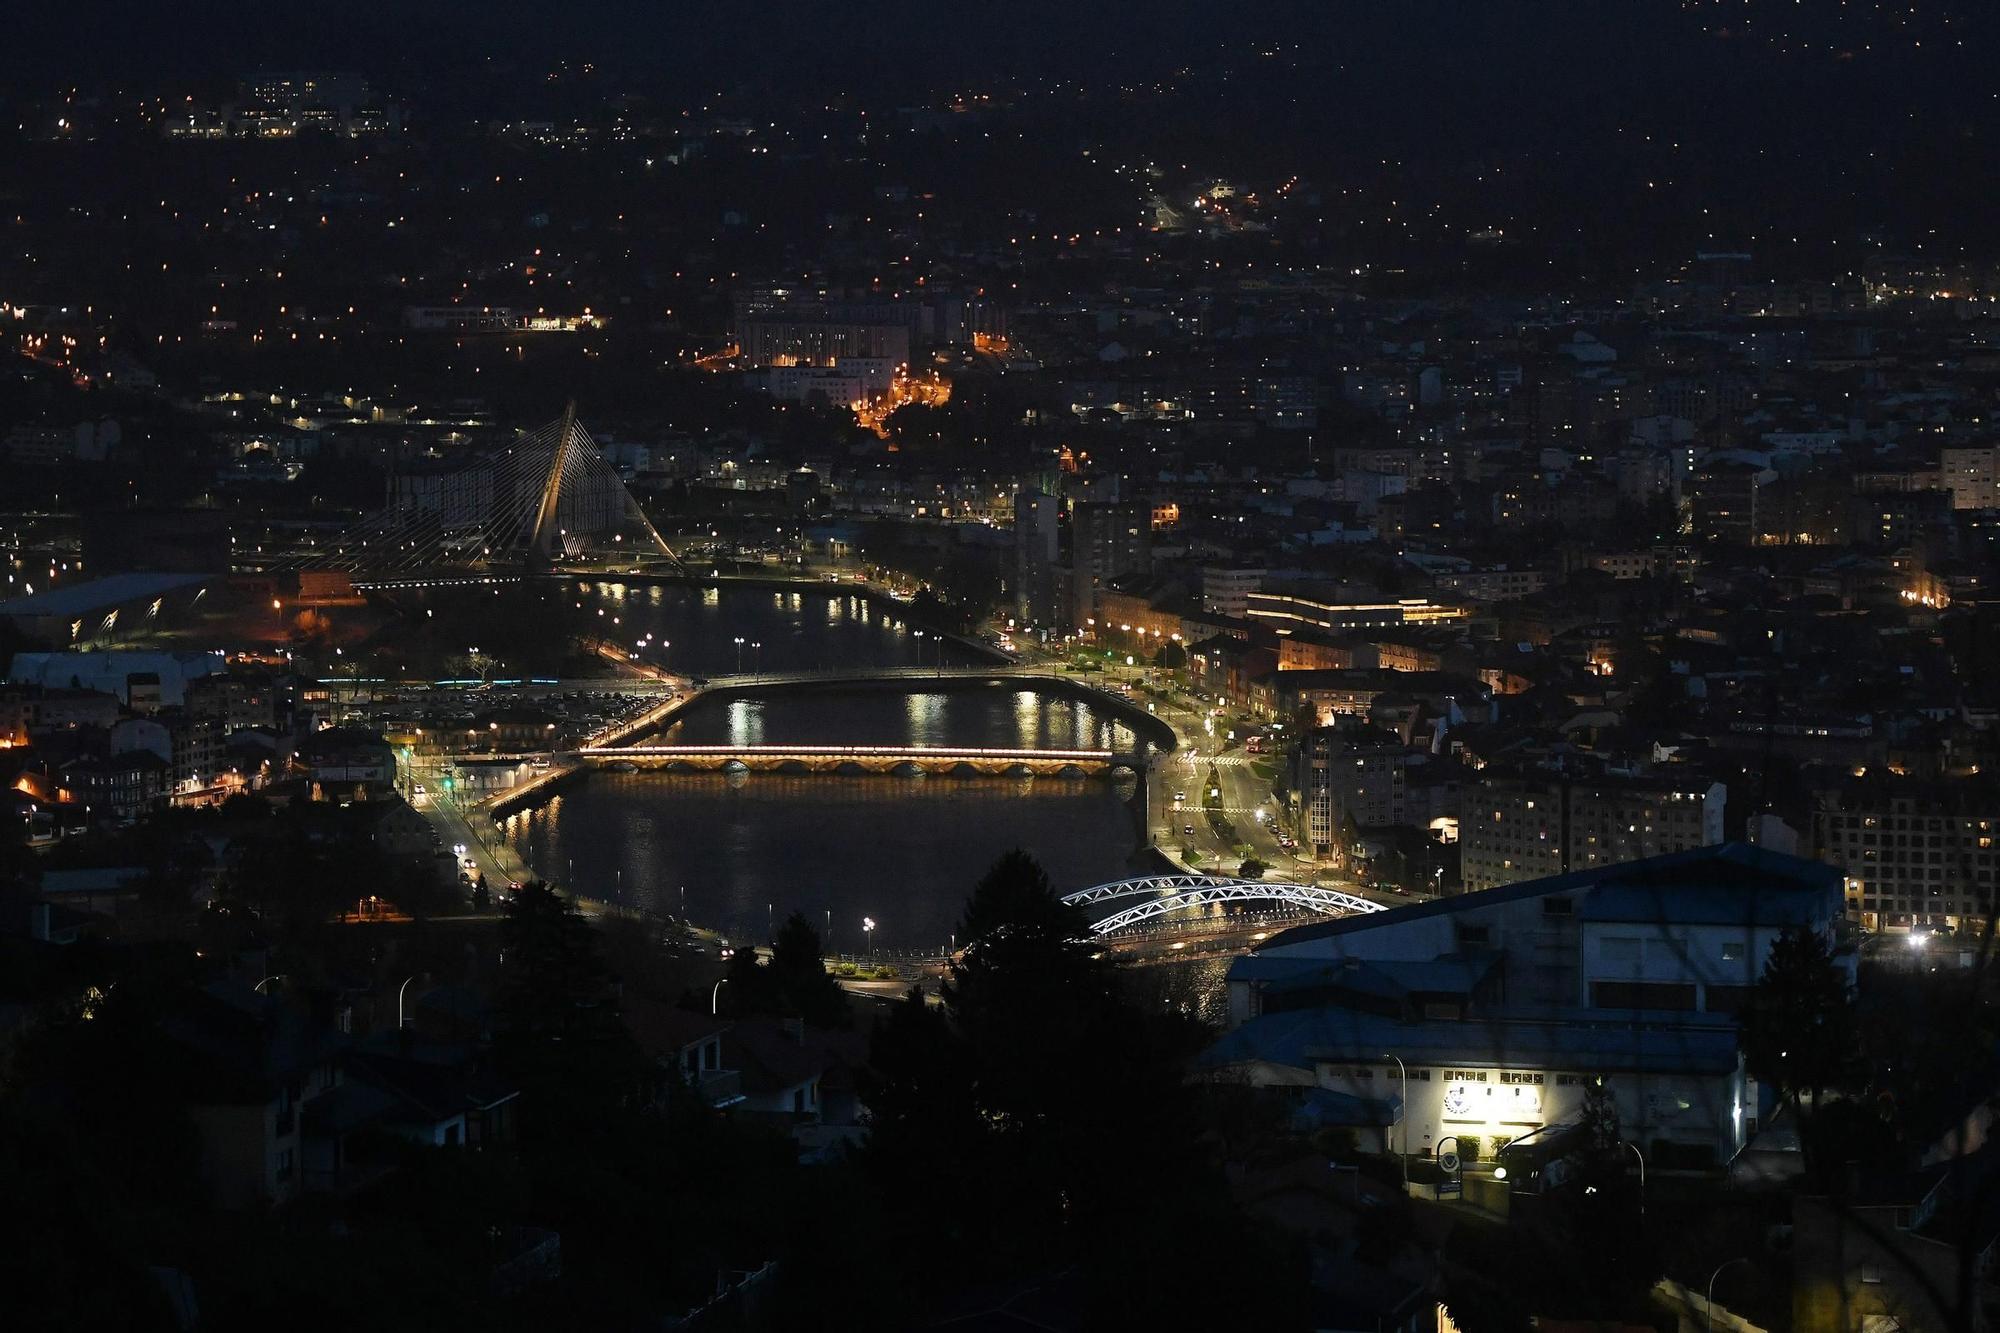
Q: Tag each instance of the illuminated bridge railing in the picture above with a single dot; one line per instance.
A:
(1167, 894)
(911, 752)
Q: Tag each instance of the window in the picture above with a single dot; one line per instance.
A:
(1474, 934)
(1363, 1073)
(1732, 952)
(1557, 907)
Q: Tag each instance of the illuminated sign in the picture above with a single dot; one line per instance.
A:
(1506, 1103)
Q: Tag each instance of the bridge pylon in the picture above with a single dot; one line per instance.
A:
(541, 540)
(518, 503)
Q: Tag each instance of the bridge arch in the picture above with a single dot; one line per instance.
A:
(1170, 893)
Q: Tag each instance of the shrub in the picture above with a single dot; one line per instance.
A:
(1469, 1146)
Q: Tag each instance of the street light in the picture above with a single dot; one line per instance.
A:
(1403, 1118)
(868, 936)
(400, 1021)
(1640, 1158)
(715, 998)
(1708, 1306)
(739, 654)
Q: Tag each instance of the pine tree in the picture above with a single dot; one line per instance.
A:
(1800, 1033)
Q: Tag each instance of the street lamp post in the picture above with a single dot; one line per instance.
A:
(868, 937)
(739, 654)
(1640, 1158)
(1708, 1304)
(401, 1022)
(1403, 1075)
(715, 998)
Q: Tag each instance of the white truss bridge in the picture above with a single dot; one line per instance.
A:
(1166, 894)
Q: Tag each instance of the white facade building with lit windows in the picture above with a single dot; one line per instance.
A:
(1502, 1005)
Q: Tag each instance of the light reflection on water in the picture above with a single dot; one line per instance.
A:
(796, 631)
(905, 851)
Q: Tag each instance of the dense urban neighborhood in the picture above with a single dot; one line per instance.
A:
(1313, 668)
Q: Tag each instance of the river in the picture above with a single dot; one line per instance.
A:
(737, 851)
(708, 631)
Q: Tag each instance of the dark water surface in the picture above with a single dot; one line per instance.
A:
(781, 630)
(905, 851)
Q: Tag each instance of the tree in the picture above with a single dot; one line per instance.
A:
(1800, 1033)
(798, 968)
(560, 1034)
(1035, 1088)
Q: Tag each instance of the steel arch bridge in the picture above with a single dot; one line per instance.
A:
(1171, 893)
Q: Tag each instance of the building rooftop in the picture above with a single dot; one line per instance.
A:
(1596, 1041)
(79, 599)
(1719, 884)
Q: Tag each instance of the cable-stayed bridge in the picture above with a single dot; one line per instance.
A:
(546, 496)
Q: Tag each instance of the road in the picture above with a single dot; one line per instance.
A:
(1203, 742)
(495, 859)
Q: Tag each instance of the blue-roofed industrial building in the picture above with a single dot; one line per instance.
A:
(1503, 1005)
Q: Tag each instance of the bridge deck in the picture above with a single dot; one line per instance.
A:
(870, 758)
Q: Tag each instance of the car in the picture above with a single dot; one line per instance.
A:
(1187, 830)
(1180, 797)
(471, 864)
